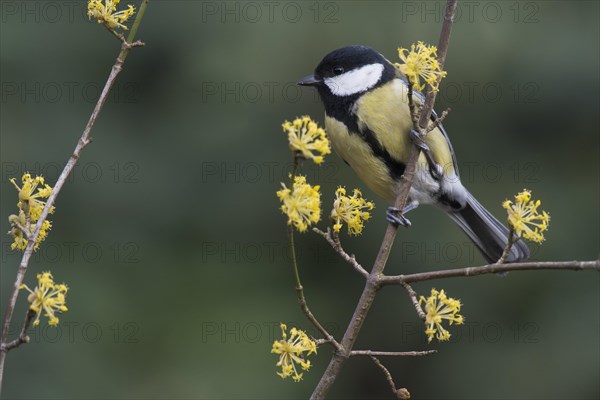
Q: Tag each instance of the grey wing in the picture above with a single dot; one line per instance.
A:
(455, 164)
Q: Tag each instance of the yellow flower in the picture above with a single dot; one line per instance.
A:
(437, 308)
(104, 13)
(20, 241)
(350, 210)
(28, 200)
(302, 203)
(523, 216)
(421, 62)
(47, 296)
(291, 352)
(307, 138)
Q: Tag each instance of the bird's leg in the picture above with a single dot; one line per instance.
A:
(396, 217)
(434, 167)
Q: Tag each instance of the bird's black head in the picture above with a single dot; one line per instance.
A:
(346, 73)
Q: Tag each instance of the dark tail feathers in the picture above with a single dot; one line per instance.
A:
(487, 233)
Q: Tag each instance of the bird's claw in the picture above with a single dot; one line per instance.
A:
(395, 217)
(415, 136)
(435, 169)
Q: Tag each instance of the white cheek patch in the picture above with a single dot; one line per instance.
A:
(355, 81)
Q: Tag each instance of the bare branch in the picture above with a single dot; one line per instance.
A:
(371, 353)
(399, 393)
(22, 229)
(304, 306)
(438, 120)
(491, 269)
(414, 300)
(509, 244)
(319, 342)
(387, 374)
(335, 243)
(23, 338)
(300, 289)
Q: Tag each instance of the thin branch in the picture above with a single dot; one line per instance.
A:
(319, 342)
(371, 353)
(509, 244)
(23, 338)
(387, 374)
(335, 243)
(22, 229)
(299, 288)
(414, 300)
(304, 306)
(449, 14)
(372, 284)
(414, 110)
(438, 120)
(84, 140)
(490, 269)
(399, 393)
(300, 293)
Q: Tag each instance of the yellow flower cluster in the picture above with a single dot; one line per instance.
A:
(291, 351)
(351, 210)
(437, 308)
(29, 201)
(20, 241)
(30, 205)
(307, 138)
(47, 296)
(105, 12)
(421, 62)
(302, 203)
(524, 217)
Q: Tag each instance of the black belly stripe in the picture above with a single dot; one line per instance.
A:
(341, 112)
(395, 167)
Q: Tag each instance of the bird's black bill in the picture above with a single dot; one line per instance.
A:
(309, 81)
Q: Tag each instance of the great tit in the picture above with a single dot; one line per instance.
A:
(368, 121)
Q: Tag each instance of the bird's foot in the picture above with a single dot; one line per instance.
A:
(435, 168)
(396, 217)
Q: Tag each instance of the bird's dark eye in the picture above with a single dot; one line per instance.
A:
(338, 70)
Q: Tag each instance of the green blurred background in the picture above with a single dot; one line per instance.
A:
(169, 233)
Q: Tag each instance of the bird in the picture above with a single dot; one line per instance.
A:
(369, 124)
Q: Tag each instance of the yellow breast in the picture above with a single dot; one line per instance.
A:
(356, 152)
(384, 112)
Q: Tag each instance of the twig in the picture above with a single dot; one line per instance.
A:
(337, 246)
(392, 353)
(509, 244)
(299, 288)
(399, 393)
(438, 120)
(319, 342)
(23, 338)
(302, 299)
(490, 269)
(22, 229)
(304, 306)
(124, 41)
(414, 110)
(414, 300)
(84, 140)
(372, 285)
